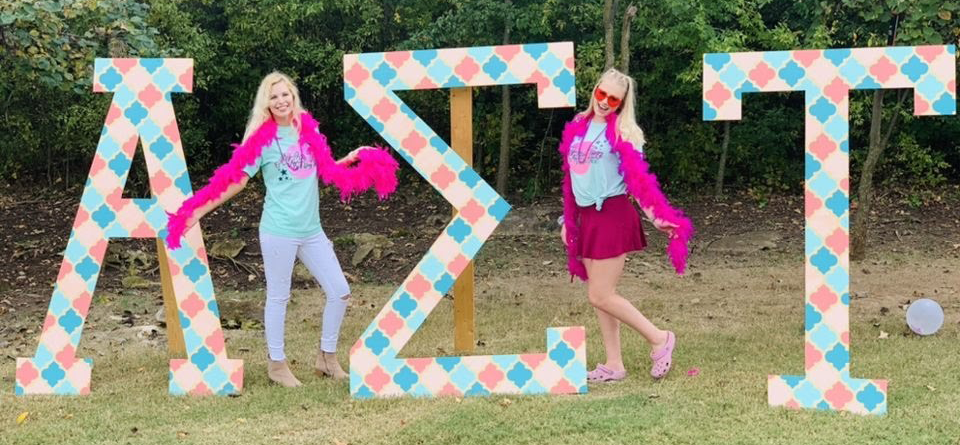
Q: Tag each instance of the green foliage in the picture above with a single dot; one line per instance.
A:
(53, 41)
(915, 166)
(47, 48)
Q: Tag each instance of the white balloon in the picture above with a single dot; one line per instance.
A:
(924, 316)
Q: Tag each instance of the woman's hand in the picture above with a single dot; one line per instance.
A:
(665, 226)
(662, 225)
(190, 222)
(351, 157)
(563, 233)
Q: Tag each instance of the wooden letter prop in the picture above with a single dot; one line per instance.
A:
(826, 77)
(369, 83)
(141, 111)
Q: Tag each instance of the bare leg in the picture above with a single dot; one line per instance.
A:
(601, 291)
(610, 333)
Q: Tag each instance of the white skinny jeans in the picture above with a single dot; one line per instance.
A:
(316, 252)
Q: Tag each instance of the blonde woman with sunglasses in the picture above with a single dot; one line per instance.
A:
(604, 173)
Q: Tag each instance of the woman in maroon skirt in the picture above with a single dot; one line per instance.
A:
(604, 173)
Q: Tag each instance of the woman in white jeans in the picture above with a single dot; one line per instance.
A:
(290, 224)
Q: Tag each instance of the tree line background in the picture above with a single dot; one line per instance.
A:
(51, 119)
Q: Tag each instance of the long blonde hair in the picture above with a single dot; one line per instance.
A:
(261, 103)
(626, 126)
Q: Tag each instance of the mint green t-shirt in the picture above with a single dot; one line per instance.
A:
(292, 205)
(594, 168)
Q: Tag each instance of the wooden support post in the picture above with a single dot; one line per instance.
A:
(461, 135)
(175, 344)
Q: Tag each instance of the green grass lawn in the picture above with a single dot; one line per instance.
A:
(736, 324)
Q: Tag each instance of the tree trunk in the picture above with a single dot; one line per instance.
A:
(625, 39)
(503, 167)
(543, 142)
(861, 219)
(859, 232)
(117, 47)
(718, 190)
(609, 6)
(49, 166)
(388, 25)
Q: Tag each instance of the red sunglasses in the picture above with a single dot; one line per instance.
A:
(613, 101)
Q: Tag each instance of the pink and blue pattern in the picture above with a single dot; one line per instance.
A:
(141, 111)
(826, 77)
(369, 83)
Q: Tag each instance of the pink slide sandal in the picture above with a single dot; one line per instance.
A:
(605, 374)
(663, 358)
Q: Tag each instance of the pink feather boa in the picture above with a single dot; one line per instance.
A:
(641, 184)
(375, 168)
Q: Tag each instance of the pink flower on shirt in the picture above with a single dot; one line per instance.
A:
(299, 161)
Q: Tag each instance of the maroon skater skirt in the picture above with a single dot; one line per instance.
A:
(612, 231)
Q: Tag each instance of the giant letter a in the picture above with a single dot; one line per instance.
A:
(141, 110)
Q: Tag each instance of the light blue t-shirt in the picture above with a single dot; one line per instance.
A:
(292, 205)
(594, 167)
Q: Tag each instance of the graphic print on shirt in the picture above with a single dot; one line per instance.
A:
(585, 153)
(297, 161)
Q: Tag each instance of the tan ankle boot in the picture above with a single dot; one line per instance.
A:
(327, 365)
(280, 373)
